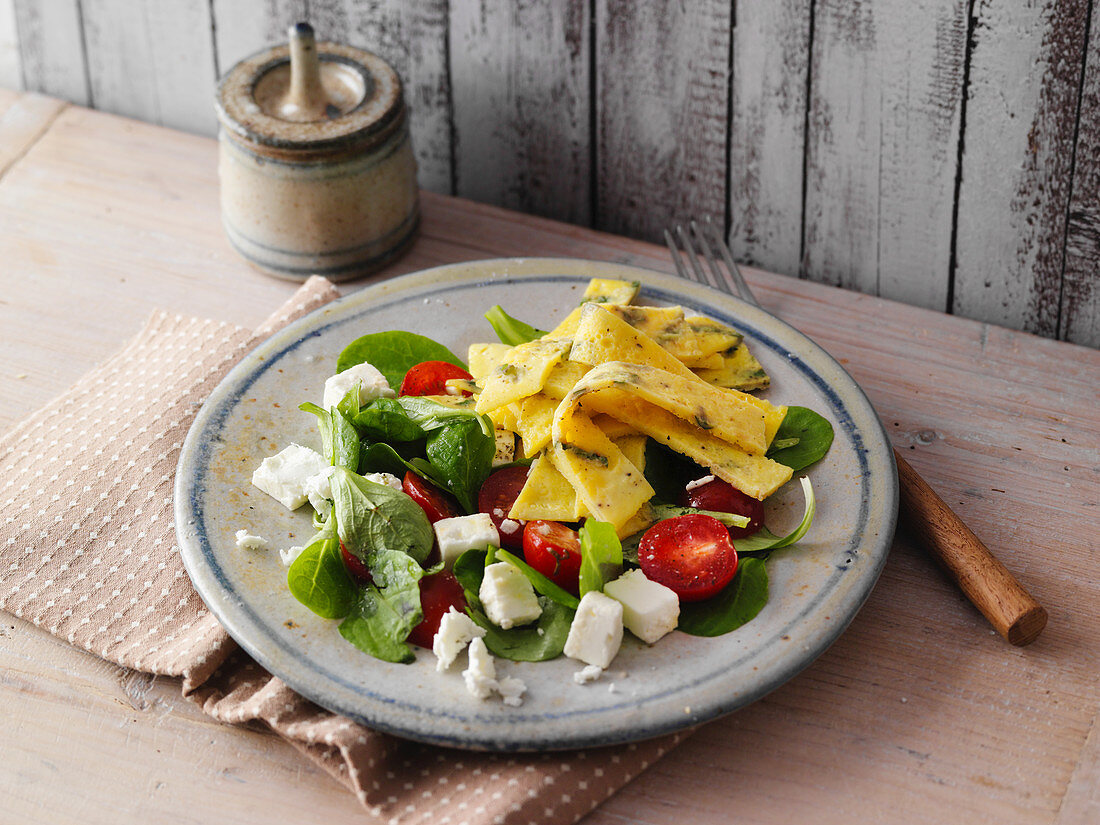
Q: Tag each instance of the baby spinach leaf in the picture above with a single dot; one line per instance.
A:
(601, 555)
(372, 516)
(538, 581)
(388, 610)
(763, 539)
(318, 577)
(394, 353)
(462, 457)
(814, 436)
(737, 604)
(511, 330)
(664, 511)
(384, 419)
(527, 644)
(339, 439)
(381, 458)
(431, 415)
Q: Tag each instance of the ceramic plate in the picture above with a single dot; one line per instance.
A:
(816, 587)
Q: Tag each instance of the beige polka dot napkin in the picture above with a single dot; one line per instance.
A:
(88, 552)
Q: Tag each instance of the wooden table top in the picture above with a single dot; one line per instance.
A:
(919, 713)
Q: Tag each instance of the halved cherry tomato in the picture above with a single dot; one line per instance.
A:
(555, 551)
(691, 555)
(497, 495)
(430, 378)
(359, 571)
(435, 503)
(439, 592)
(723, 497)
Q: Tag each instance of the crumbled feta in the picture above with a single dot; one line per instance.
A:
(461, 533)
(372, 384)
(597, 630)
(318, 489)
(387, 479)
(699, 482)
(456, 630)
(511, 691)
(481, 675)
(507, 596)
(283, 476)
(650, 610)
(509, 526)
(247, 541)
(290, 554)
(588, 673)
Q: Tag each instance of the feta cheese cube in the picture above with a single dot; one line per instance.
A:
(246, 541)
(597, 630)
(372, 384)
(283, 476)
(507, 596)
(461, 533)
(318, 490)
(387, 479)
(481, 675)
(511, 691)
(290, 554)
(650, 610)
(456, 630)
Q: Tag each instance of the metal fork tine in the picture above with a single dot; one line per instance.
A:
(685, 241)
(720, 282)
(677, 257)
(734, 270)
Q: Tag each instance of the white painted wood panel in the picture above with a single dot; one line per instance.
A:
(1079, 316)
(771, 56)
(244, 27)
(884, 118)
(51, 48)
(520, 81)
(1025, 73)
(662, 77)
(11, 67)
(153, 61)
(413, 38)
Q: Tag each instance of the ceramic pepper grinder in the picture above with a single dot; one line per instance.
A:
(315, 160)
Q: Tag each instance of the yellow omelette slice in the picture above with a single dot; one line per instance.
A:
(482, 359)
(739, 370)
(611, 291)
(521, 373)
(711, 409)
(534, 421)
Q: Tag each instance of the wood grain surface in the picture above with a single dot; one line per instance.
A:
(936, 152)
(918, 713)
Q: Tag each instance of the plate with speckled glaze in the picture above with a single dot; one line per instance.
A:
(816, 586)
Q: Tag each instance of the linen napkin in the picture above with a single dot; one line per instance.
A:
(88, 552)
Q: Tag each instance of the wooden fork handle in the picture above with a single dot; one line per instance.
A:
(986, 582)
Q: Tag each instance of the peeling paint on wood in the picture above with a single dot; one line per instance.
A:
(771, 61)
(1021, 115)
(520, 74)
(662, 77)
(244, 27)
(885, 109)
(1079, 317)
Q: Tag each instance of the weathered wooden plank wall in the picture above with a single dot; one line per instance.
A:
(939, 152)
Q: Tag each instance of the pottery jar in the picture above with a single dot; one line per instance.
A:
(315, 160)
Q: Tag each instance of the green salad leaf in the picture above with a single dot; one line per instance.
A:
(339, 439)
(431, 415)
(601, 555)
(387, 610)
(385, 419)
(511, 330)
(372, 516)
(394, 353)
(318, 577)
(764, 539)
(739, 603)
(545, 639)
(462, 457)
(802, 439)
(538, 581)
(664, 511)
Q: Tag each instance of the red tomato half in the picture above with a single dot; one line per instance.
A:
(497, 495)
(555, 551)
(691, 555)
(435, 503)
(359, 571)
(723, 497)
(439, 592)
(430, 378)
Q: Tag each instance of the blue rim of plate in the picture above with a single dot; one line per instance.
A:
(871, 537)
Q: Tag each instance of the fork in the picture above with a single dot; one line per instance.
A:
(989, 585)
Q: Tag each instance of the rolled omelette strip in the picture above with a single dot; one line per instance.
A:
(713, 409)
